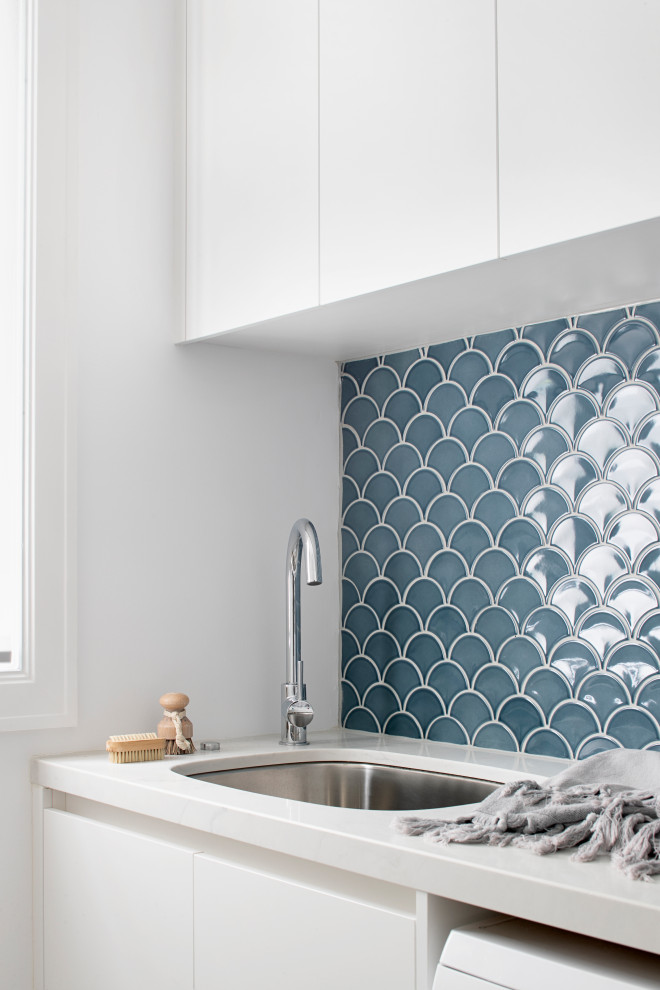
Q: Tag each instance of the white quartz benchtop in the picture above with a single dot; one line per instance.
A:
(591, 898)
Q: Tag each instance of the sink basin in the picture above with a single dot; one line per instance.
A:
(344, 784)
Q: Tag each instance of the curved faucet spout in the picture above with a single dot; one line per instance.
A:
(303, 542)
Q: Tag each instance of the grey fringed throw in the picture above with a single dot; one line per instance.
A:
(606, 804)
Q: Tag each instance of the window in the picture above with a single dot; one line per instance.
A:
(11, 345)
(37, 683)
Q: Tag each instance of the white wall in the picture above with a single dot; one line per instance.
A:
(193, 462)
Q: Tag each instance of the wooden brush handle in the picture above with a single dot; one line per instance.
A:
(174, 702)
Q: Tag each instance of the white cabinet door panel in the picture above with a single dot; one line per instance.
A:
(579, 91)
(117, 908)
(260, 932)
(252, 161)
(408, 140)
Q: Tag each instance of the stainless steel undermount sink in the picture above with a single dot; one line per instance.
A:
(349, 784)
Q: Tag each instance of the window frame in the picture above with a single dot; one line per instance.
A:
(43, 693)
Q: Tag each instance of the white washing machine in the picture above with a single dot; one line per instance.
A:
(509, 954)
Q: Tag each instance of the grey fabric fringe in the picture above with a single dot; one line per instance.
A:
(608, 804)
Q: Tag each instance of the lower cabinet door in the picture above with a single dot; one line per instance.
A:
(117, 908)
(256, 931)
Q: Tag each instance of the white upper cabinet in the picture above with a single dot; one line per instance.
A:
(252, 161)
(579, 91)
(408, 141)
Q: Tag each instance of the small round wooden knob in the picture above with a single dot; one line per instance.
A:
(174, 702)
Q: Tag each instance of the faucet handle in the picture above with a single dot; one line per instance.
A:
(299, 714)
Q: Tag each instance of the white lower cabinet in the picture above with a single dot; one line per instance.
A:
(262, 932)
(117, 908)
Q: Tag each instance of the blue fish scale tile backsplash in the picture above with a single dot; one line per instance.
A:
(501, 538)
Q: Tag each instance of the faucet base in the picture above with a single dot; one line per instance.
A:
(296, 715)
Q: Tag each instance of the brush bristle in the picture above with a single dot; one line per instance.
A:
(136, 748)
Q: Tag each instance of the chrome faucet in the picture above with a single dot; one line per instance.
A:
(297, 713)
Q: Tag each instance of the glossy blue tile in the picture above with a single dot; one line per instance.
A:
(470, 539)
(494, 566)
(446, 352)
(401, 361)
(496, 683)
(382, 701)
(470, 596)
(358, 370)
(522, 716)
(519, 597)
(422, 376)
(547, 687)
(425, 705)
(600, 375)
(446, 729)
(547, 742)
(543, 334)
(446, 568)
(445, 457)
(574, 721)
(402, 676)
(501, 538)
(544, 385)
(631, 339)
(494, 509)
(492, 344)
(571, 349)
(493, 451)
(633, 727)
(631, 403)
(493, 735)
(380, 384)
(604, 694)
(471, 710)
(518, 419)
(423, 486)
(520, 656)
(471, 653)
(424, 596)
(402, 724)
(572, 412)
(381, 542)
(492, 393)
(469, 368)
(495, 625)
(402, 568)
(381, 437)
(402, 514)
(381, 595)
(519, 478)
(469, 482)
(468, 426)
(545, 445)
(381, 489)
(423, 431)
(447, 679)
(518, 359)
(633, 663)
(424, 651)
(574, 659)
(401, 407)
(444, 401)
(519, 538)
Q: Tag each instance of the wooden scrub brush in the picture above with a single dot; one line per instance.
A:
(136, 748)
(174, 727)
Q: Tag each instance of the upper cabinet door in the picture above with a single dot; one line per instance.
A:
(408, 140)
(579, 91)
(252, 161)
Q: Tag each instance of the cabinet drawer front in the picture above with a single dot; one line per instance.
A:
(117, 908)
(259, 931)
